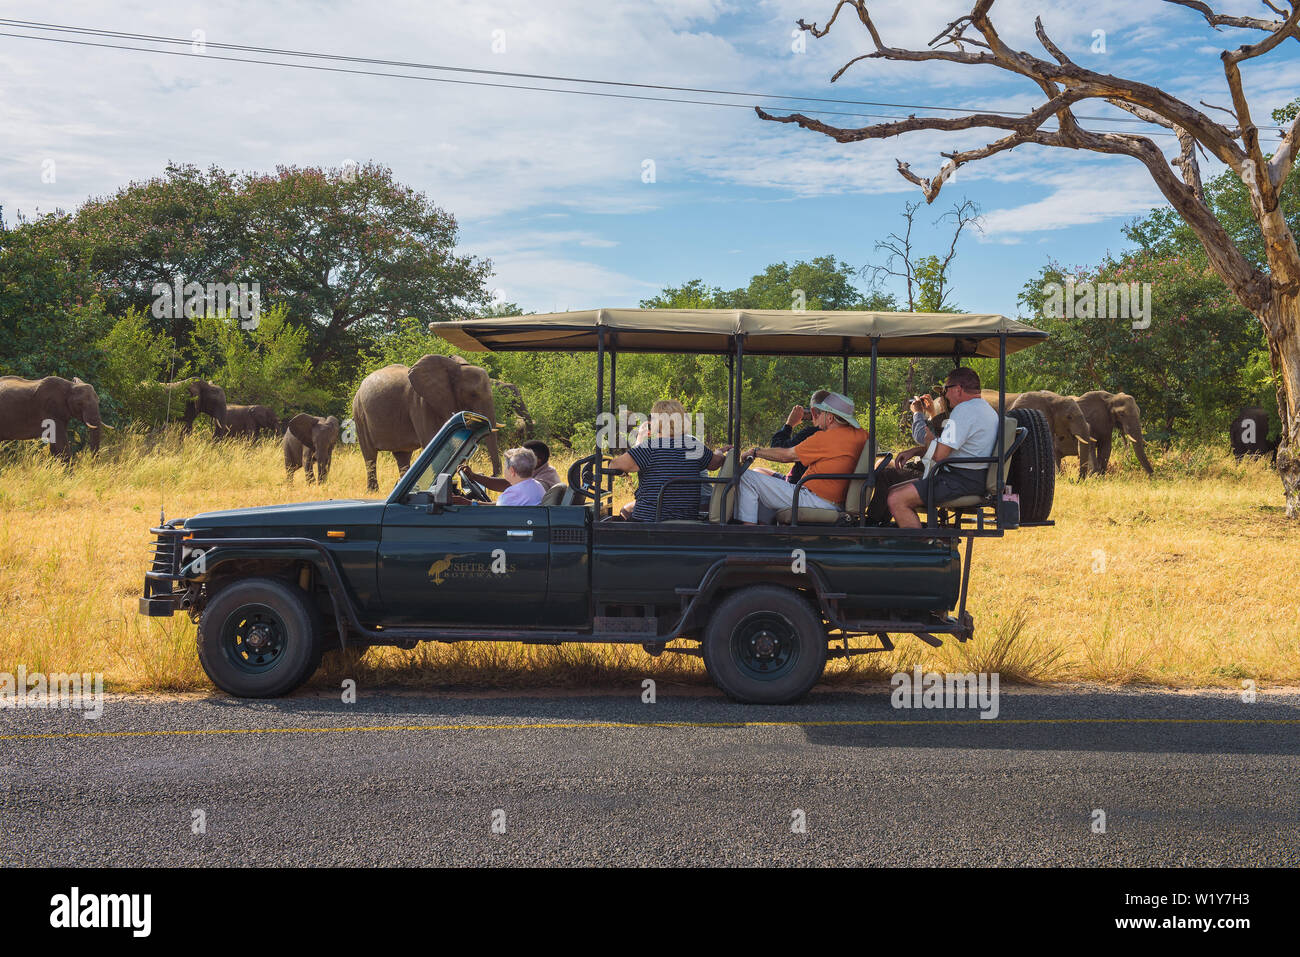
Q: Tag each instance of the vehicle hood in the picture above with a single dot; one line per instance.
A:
(297, 519)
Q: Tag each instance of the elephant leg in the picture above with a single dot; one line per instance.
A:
(60, 447)
(403, 461)
(1103, 455)
(309, 464)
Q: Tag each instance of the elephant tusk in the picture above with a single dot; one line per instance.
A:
(105, 425)
(1082, 439)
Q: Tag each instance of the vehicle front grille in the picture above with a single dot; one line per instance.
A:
(165, 569)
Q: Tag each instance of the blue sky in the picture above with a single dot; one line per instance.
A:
(550, 186)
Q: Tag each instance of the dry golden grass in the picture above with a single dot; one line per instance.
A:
(1181, 581)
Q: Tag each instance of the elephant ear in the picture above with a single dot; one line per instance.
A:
(436, 380)
(461, 360)
(300, 427)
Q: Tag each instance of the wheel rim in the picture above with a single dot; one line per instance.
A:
(765, 646)
(254, 639)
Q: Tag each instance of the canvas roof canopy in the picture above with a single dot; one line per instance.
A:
(765, 332)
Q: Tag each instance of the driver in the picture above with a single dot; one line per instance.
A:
(524, 489)
(544, 473)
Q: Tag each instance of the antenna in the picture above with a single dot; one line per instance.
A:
(167, 416)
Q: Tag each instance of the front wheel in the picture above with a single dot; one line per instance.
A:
(259, 638)
(765, 645)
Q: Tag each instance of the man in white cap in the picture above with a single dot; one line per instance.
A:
(833, 449)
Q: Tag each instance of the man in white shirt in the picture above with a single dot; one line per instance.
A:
(971, 430)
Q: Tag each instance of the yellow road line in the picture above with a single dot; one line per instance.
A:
(598, 725)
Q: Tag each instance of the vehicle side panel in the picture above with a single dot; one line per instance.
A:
(634, 562)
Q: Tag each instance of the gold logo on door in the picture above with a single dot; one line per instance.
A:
(464, 566)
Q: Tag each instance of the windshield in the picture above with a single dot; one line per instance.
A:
(457, 447)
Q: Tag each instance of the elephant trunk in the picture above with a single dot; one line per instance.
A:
(493, 453)
(1140, 449)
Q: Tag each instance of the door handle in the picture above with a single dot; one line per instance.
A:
(518, 533)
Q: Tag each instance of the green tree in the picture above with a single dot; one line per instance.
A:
(1188, 370)
(51, 316)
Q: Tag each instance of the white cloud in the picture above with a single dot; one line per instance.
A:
(1089, 193)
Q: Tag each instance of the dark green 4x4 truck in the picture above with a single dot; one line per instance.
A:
(765, 606)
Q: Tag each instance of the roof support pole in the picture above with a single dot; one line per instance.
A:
(871, 435)
(733, 487)
(613, 378)
(731, 397)
(600, 404)
(1002, 413)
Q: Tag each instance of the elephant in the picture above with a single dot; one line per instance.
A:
(399, 409)
(249, 420)
(1248, 433)
(41, 408)
(201, 398)
(991, 397)
(523, 421)
(1107, 411)
(310, 439)
(1070, 432)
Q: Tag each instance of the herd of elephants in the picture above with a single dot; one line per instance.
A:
(396, 409)
(399, 408)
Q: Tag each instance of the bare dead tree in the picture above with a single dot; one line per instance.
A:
(1272, 294)
(899, 249)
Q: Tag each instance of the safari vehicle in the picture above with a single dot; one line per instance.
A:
(765, 606)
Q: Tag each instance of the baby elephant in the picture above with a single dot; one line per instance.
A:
(309, 439)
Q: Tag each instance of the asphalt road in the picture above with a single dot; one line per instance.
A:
(1182, 778)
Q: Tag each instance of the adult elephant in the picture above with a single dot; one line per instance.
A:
(201, 398)
(41, 408)
(309, 440)
(399, 409)
(249, 420)
(991, 397)
(1070, 432)
(1108, 411)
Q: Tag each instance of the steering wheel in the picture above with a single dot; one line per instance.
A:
(472, 489)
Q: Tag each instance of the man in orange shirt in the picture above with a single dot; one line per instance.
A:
(833, 449)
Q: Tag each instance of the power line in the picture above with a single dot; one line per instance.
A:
(274, 51)
(505, 86)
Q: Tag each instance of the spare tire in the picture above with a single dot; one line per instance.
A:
(1032, 474)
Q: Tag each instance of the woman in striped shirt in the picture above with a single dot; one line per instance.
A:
(670, 452)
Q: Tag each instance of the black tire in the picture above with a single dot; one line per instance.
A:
(1032, 475)
(259, 638)
(735, 646)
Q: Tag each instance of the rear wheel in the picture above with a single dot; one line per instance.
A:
(259, 638)
(1032, 474)
(765, 645)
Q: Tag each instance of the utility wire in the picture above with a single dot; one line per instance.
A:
(273, 51)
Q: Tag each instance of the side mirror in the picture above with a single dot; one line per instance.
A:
(440, 493)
